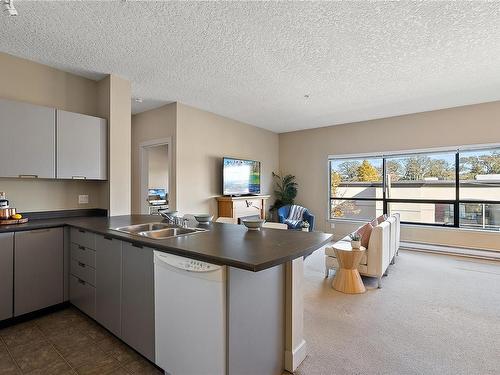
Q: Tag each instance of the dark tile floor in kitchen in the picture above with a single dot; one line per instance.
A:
(67, 342)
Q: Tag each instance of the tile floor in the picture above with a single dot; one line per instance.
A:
(67, 342)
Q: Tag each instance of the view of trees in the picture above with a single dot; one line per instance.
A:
(413, 168)
(421, 167)
(472, 165)
(349, 178)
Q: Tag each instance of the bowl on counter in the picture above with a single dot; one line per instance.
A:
(203, 218)
(253, 224)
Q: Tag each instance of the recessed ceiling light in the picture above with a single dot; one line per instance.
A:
(9, 7)
(138, 100)
(306, 96)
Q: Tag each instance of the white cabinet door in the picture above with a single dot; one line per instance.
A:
(28, 134)
(81, 146)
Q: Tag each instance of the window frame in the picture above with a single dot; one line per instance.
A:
(384, 156)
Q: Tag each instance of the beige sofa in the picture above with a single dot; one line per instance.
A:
(383, 247)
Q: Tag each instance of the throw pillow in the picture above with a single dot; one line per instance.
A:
(381, 218)
(374, 222)
(365, 231)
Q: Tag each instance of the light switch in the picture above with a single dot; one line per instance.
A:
(83, 199)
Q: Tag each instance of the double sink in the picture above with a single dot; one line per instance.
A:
(158, 231)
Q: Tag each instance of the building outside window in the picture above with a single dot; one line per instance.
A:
(445, 188)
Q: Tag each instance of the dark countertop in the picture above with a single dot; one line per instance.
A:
(35, 224)
(224, 244)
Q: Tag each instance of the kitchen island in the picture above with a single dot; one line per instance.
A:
(262, 299)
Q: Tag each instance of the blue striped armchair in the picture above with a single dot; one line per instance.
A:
(283, 213)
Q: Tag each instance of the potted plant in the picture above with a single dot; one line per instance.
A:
(305, 226)
(355, 240)
(285, 190)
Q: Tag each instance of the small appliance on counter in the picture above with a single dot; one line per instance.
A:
(4, 203)
(8, 215)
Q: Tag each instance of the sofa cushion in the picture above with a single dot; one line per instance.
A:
(381, 218)
(365, 232)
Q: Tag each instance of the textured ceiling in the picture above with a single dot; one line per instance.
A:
(255, 61)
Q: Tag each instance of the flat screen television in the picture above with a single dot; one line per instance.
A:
(240, 177)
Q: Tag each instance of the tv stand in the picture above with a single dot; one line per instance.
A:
(241, 206)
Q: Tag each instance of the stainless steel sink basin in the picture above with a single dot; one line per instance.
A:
(169, 232)
(136, 229)
(158, 231)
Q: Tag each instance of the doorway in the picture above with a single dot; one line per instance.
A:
(155, 175)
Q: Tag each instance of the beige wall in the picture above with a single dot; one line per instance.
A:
(148, 126)
(30, 82)
(26, 81)
(120, 157)
(305, 154)
(203, 138)
(158, 167)
(45, 195)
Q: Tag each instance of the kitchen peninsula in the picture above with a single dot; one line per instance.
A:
(110, 276)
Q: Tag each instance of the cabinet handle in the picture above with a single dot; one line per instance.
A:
(39, 231)
(108, 238)
(81, 264)
(81, 247)
(81, 281)
(81, 231)
(28, 176)
(78, 177)
(138, 246)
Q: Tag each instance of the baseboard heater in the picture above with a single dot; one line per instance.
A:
(451, 250)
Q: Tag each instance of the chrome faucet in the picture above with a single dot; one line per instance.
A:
(171, 218)
(168, 215)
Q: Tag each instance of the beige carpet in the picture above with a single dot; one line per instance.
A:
(435, 314)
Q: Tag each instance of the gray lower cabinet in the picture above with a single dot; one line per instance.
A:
(108, 280)
(6, 274)
(138, 325)
(38, 269)
(256, 321)
(82, 295)
(82, 292)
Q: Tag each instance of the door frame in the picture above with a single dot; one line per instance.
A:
(144, 168)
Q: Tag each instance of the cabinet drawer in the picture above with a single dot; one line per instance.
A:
(82, 254)
(83, 238)
(82, 295)
(82, 271)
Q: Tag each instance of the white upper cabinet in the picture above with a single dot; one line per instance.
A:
(81, 146)
(28, 135)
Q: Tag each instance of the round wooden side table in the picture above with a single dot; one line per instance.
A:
(347, 278)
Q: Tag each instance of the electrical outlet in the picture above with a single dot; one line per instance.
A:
(83, 199)
(332, 225)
